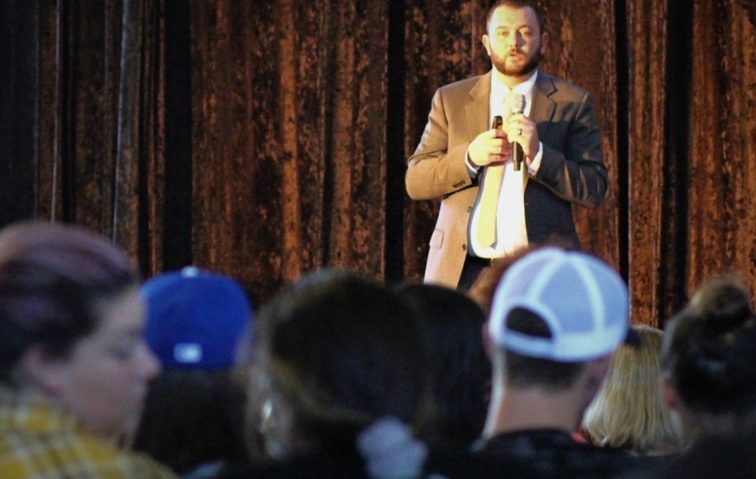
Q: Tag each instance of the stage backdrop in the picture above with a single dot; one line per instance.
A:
(264, 139)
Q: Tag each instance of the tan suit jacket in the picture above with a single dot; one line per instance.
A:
(572, 169)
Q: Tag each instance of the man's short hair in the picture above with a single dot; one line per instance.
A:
(553, 312)
(526, 371)
(520, 4)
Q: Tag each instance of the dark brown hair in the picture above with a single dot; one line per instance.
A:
(52, 278)
(709, 351)
(342, 351)
(525, 371)
(194, 417)
(460, 371)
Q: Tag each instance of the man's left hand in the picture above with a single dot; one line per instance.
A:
(521, 129)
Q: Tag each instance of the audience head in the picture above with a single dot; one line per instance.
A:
(629, 411)
(197, 320)
(340, 352)
(198, 325)
(460, 371)
(71, 321)
(708, 357)
(557, 316)
(483, 289)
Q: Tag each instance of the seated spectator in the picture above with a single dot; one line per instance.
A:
(197, 325)
(483, 289)
(345, 364)
(708, 358)
(731, 456)
(556, 318)
(460, 371)
(74, 366)
(629, 411)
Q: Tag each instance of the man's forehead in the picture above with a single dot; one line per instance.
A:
(506, 16)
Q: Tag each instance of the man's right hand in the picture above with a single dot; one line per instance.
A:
(489, 148)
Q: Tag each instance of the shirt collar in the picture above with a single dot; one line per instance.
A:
(500, 91)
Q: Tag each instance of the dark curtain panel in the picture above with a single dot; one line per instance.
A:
(647, 45)
(289, 108)
(691, 149)
(99, 132)
(721, 192)
(19, 33)
(267, 139)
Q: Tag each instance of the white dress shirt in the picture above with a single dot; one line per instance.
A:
(511, 232)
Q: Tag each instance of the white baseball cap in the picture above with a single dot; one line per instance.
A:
(582, 300)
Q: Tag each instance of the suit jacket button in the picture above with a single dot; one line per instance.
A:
(464, 247)
(469, 209)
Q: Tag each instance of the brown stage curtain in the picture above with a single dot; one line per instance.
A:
(720, 217)
(266, 139)
(289, 137)
(99, 130)
(691, 134)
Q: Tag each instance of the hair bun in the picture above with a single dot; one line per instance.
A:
(723, 308)
(726, 333)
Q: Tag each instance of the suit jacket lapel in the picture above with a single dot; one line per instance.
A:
(543, 107)
(476, 109)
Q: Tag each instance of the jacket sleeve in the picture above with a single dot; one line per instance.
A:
(577, 172)
(435, 169)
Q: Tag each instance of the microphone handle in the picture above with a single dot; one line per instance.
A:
(517, 155)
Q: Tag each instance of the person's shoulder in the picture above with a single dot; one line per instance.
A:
(72, 452)
(552, 453)
(464, 84)
(560, 85)
(115, 462)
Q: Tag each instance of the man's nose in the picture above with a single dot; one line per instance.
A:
(513, 40)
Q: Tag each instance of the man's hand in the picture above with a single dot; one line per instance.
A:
(521, 129)
(490, 147)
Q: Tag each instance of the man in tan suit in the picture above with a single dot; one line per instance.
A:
(556, 131)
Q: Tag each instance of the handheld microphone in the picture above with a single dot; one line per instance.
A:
(517, 104)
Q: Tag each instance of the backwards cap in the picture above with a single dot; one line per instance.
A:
(582, 301)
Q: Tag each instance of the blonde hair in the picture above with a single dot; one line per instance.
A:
(629, 411)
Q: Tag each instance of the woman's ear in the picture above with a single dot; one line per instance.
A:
(39, 369)
(670, 393)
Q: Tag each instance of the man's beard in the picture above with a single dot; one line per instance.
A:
(501, 64)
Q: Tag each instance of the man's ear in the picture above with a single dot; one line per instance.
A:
(486, 40)
(597, 370)
(544, 42)
(43, 371)
(488, 345)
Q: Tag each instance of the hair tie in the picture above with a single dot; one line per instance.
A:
(390, 451)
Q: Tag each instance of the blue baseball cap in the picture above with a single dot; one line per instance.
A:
(196, 319)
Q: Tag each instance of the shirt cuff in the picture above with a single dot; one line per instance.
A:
(471, 170)
(536, 163)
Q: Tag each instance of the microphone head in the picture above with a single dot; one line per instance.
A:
(516, 103)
